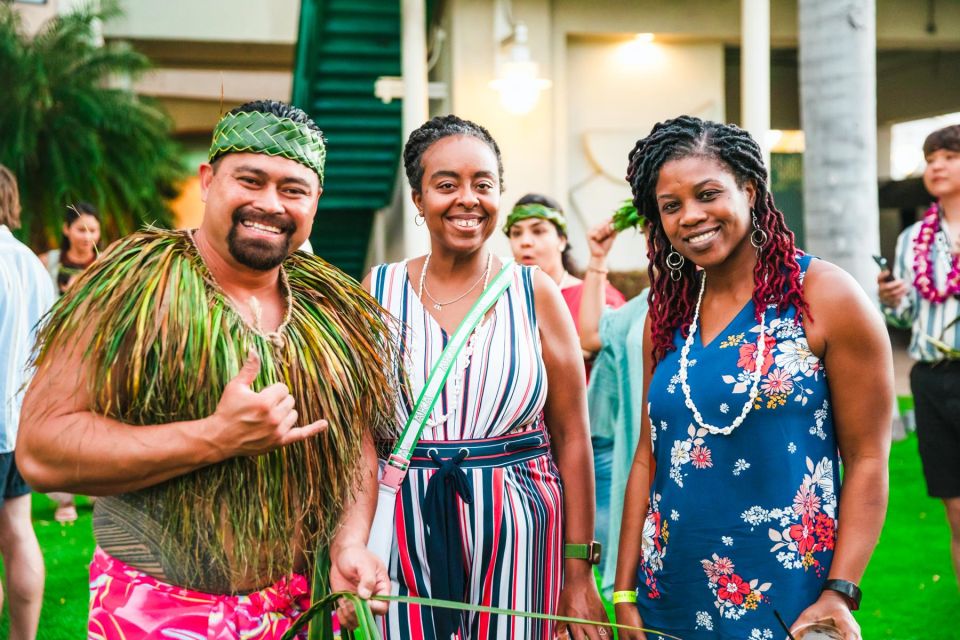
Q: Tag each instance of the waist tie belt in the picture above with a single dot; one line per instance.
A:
(441, 518)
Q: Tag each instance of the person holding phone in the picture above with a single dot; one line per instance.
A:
(923, 294)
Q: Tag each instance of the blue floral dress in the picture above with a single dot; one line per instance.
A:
(744, 524)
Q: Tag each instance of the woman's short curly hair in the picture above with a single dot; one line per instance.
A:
(436, 129)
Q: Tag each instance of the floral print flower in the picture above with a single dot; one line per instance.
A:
(808, 526)
(806, 502)
(704, 620)
(732, 340)
(732, 588)
(653, 546)
(795, 357)
(777, 382)
(824, 528)
(748, 355)
(802, 534)
(735, 597)
(717, 568)
(700, 456)
(680, 453)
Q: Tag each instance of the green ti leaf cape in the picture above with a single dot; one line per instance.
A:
(164, 340)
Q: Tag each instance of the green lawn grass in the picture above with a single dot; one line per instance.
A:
(67, 550)
(910, 592)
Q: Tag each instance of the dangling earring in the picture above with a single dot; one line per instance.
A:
(675, 264)
(419, 219)
(758, 237)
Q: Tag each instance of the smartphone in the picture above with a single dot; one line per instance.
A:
(884, 266)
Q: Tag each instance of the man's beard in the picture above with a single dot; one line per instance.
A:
(255, 253)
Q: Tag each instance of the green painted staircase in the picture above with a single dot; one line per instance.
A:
(343, 47)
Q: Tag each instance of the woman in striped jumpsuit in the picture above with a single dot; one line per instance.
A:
(501, 477)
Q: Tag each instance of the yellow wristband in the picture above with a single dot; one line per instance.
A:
(624, 596)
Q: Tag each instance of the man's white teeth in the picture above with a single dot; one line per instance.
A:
(260, 227)
(700, 237)
(470, 223)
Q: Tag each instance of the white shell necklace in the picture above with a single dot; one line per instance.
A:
(758, 366)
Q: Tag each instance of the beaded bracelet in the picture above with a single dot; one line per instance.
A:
(624, 596)
(599, 270)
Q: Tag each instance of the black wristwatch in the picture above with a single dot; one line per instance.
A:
(589, 552)
(850, 592)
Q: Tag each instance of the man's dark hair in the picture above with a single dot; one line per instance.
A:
(947, 138)
(436, 129)
(279, 109)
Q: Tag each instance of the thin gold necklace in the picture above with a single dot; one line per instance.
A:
(440, 305)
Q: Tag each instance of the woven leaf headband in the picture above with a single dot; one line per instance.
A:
(257, 132)
(535, 210)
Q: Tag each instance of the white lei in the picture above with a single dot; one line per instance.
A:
(758, 365)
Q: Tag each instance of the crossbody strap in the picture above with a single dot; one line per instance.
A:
(398, 463)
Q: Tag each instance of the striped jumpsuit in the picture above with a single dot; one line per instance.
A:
(488, 423)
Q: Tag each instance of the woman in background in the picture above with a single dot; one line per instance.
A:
(537, 229)
(78, 249)
(615, 334)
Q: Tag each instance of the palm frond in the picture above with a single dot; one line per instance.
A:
(71, 134)
(165, 343)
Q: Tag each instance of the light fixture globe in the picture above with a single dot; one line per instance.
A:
(518, 81)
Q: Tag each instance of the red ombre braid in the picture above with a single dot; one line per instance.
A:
(777, 276)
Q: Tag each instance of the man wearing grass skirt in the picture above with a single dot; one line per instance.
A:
(223, 393)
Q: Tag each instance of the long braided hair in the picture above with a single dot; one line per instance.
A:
(777, 275)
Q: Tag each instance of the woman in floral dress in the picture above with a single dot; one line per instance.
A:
(769, 367)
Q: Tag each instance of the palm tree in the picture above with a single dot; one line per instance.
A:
(70, 132)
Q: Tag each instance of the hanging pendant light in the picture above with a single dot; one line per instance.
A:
(518, 80)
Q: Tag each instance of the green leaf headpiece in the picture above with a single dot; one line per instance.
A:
(627, 216)
(258, 132)
(535, 210)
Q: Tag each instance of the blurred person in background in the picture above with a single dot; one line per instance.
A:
(615, 334)
(78, 249)
(25, 295)
(537, 230)
(923, 294)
